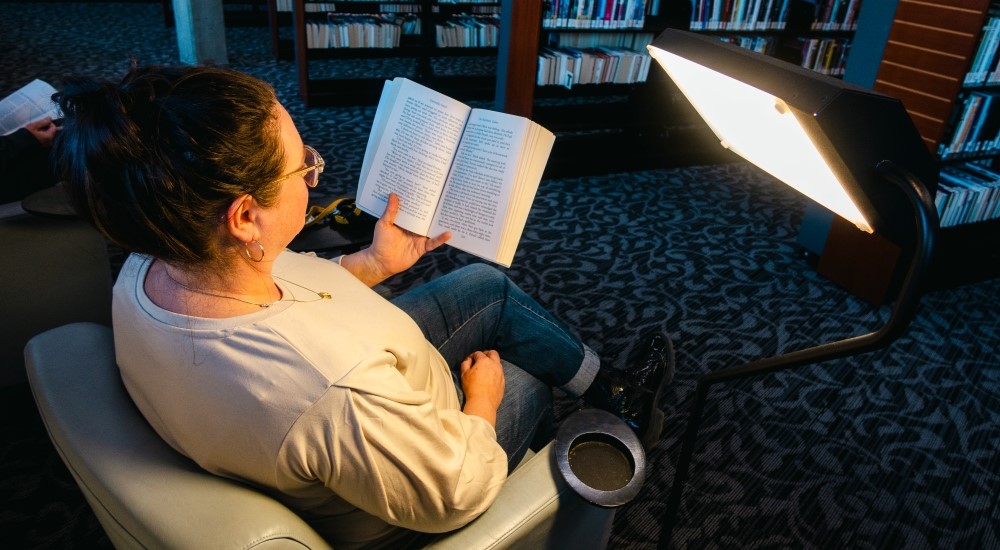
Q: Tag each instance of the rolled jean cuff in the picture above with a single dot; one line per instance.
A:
(584, 377)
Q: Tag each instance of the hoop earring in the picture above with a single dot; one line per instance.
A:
(246, 252)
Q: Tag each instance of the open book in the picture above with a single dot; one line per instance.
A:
(31, 102)
(473, 172)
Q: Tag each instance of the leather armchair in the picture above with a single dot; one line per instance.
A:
(55, 271)
(146, 495)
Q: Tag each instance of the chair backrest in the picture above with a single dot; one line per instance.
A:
(144, 493)
(54, 271)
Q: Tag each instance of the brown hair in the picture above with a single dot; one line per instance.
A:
(155, 161)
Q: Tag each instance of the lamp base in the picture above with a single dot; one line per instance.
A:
(864, 264)
(600, 458)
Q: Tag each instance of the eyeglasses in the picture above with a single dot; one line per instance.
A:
(314, 167)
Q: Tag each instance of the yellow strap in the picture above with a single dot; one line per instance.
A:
(316, 214)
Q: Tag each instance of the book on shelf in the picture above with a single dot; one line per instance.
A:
(468, 31)
(759, 44)
(825, 55)
(967, 193)
(312, 7)
(987, 191)
(29, 103)
(983, 69)
(975, 139)
(622, 39)
(568, 66)
(594, 14)
(473, 172)
(976, 127)
(360, 30)
(738, 15)
(836, 15)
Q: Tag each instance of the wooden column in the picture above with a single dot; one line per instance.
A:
(517, 57)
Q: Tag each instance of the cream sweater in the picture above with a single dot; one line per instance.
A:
(340, 408)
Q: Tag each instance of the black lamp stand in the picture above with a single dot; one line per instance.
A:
(926, 226)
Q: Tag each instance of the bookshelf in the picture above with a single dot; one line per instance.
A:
(932, 61)
(816, 34)
(642, 121)
(419, 31)
(819, 35)
(933, 47)
(627, 121)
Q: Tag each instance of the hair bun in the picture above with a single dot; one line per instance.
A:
(83, 96)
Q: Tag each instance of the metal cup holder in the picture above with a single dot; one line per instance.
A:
(600, 457)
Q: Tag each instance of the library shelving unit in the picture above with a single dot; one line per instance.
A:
(419, 47)
(756, 25)
(815, 34)
(819, 34)
(932, 48)
(969, 185)
(645, 122)
(930, 52)
(628, 119)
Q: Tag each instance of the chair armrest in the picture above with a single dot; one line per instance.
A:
(145, 494)
(535, 509)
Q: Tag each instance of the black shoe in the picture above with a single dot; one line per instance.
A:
(632, 394)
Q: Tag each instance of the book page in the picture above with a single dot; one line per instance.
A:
(534, 156)
(414, 148)
(481, 182)
(31, 102)
(385, 102)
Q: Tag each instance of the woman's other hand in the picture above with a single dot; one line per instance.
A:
(393, 248)
(44, 131)
(483, 383)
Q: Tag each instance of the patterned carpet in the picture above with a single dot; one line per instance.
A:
(894, 449)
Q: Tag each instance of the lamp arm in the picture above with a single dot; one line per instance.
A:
(926, 224)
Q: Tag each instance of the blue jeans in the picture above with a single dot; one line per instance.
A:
(478, 308)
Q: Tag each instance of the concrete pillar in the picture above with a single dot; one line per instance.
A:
(201, 31)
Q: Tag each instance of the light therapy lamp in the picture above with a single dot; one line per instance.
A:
(853, 151)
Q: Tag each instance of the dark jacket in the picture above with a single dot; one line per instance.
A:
(24, 166)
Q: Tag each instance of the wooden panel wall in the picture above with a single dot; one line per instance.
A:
(929, 50)
(517, 62)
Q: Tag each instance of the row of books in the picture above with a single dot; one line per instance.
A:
(836, 15)
(320, 7)
(977, 127)
(630, 40)
(310, 7)
(468, 31)
(602, 65)
(594, 14)
(967, 193)
(757, 43)
(484, 9)
(360, 31)
(826, 55)
(985, 68)
(739, 15)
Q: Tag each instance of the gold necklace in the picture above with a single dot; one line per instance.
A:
(322, 295)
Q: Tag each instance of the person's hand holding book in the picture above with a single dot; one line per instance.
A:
(393, 248)
(469, 172)
(44, 131)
